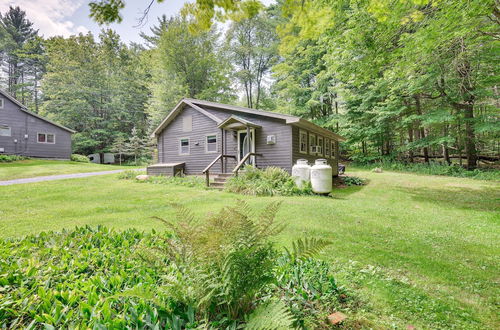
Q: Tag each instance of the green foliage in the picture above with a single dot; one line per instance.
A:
(306, 248)
(11, 158)
(182, 180)
(73, 279)
(270, 316)
(434, 168)
(79, 158)
(353, 181)
(270, 181)
(128, 175)
(308, 288)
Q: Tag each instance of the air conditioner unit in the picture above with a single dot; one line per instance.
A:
(316, 149)
(271, 139)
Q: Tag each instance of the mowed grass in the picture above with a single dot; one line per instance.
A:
(412, 249)
(38, 167)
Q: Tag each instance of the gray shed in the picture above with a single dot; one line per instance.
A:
(25, 133)
(220, 138)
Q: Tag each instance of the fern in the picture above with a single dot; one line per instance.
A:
(267, 225)
(307, 248)
(271, 316)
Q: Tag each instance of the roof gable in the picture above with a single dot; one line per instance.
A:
(198, 105)
(23, 108)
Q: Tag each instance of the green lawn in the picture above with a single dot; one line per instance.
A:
(415, 250)
(38, 167)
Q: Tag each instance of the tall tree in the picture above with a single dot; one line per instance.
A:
(253, 46)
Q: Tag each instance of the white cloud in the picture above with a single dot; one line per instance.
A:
(49, 16)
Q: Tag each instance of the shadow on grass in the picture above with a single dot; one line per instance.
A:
(485, 199)
(339, 192)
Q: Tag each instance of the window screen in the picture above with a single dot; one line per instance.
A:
(4, 130)
(184, 146)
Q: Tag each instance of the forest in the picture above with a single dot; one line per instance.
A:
(409, 81)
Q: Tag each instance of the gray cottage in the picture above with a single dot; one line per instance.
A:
(25, 133)
(207, 137)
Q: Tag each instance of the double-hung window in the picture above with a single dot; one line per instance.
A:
(184, 146)
(327, 148)
(211, 143)
(312, 144)
(5, 130)
(303, 142)
(319, 149)
(334, 149)
(46, 138)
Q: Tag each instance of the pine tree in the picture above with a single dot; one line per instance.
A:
(136, 145)
(120, 147)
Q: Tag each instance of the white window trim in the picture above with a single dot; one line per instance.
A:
(7, 127)
(180, 146)
(312, 146)
(46, 133)
(333, 148)
(321, 146)
(327, 143)
(216, 143)
(2, 103)
(300, 142)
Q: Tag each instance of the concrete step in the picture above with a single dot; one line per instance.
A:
(217, 179)
(217, 184)
(224, 175)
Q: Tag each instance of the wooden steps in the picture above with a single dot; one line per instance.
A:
(220, 181)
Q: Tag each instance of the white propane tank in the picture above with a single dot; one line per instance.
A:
(301, 172)
(321, 177)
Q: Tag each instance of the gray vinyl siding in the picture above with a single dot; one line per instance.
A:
(278, 154)
(21, 124)
(296, 154)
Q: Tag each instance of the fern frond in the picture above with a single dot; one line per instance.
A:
(309, 247)
(271, 316)
(267, 221)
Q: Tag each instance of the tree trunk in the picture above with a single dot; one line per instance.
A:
(410, 140)
(470, 138)
(418, 108)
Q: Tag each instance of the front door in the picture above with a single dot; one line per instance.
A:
(243, 145)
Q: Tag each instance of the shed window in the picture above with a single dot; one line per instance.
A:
(303, 142)
(184, 146)
(187, 123)
(312, 144)
(320, 146)
(46, 138)
(333, 148)
(5, 130)
(327, 148)
(211, 143)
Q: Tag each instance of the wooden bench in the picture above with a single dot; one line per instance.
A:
(166, 169)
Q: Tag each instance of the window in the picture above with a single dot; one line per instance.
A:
(211, 143)
(184, 146)
(1, 103)
(334, 149)
(46, 138)
(327, 148)
(303, 142)
(5, 130)
(312, 144)
(187, 124)
(320, 146)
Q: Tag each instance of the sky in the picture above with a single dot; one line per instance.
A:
(67, 17)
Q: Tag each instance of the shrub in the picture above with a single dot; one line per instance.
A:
(128, 174)
(182, 180)
(270, 181)
(433, 168)
(79, 158)
(353, 181)
(11, 158)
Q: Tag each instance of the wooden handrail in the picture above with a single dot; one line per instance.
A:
(206, 171)
(243, 160)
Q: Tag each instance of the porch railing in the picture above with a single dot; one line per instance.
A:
(243, 161)
(220, 157)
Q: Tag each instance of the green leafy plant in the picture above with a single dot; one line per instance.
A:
(11, 158)
(353, 181)
(182, 180)
(128, 174)
(270, 181)
(79, 158)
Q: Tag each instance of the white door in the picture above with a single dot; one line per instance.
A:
(243, 145)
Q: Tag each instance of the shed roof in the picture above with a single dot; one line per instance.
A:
(23, 108)
(199, 105)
